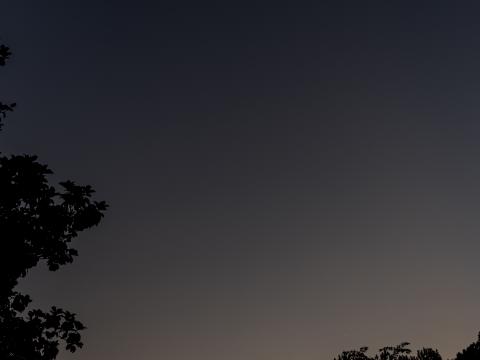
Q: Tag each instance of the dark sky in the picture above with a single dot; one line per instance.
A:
(286, 180)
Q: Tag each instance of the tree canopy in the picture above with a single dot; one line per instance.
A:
(399, 352)
(38, 222)
(402, 352)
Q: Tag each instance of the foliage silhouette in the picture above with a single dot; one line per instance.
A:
(399, 352)
(472, 352)
(37, 224)
(4, 108)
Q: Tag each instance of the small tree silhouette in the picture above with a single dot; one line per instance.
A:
(399, 352)
(472, 352)
(354, 355)
(37, 224)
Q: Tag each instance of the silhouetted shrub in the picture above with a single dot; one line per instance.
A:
(399, 352)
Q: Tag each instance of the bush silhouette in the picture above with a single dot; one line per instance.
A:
(401, 352)
(38, 221)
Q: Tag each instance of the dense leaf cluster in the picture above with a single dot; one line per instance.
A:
(38, 222)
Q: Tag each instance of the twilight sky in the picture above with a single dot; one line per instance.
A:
(286, 180)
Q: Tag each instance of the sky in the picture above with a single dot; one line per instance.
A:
(286, 180)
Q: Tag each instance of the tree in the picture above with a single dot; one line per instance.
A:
(472, 352)
(428, 354)
(399, 352)
(38, 222)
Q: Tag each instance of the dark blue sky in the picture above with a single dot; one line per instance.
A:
(286, 180)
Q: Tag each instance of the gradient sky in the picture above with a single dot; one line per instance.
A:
(286, 180)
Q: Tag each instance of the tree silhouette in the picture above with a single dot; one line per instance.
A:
(399, 352)
(38, 221)
(428, 354)
(472, 352)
